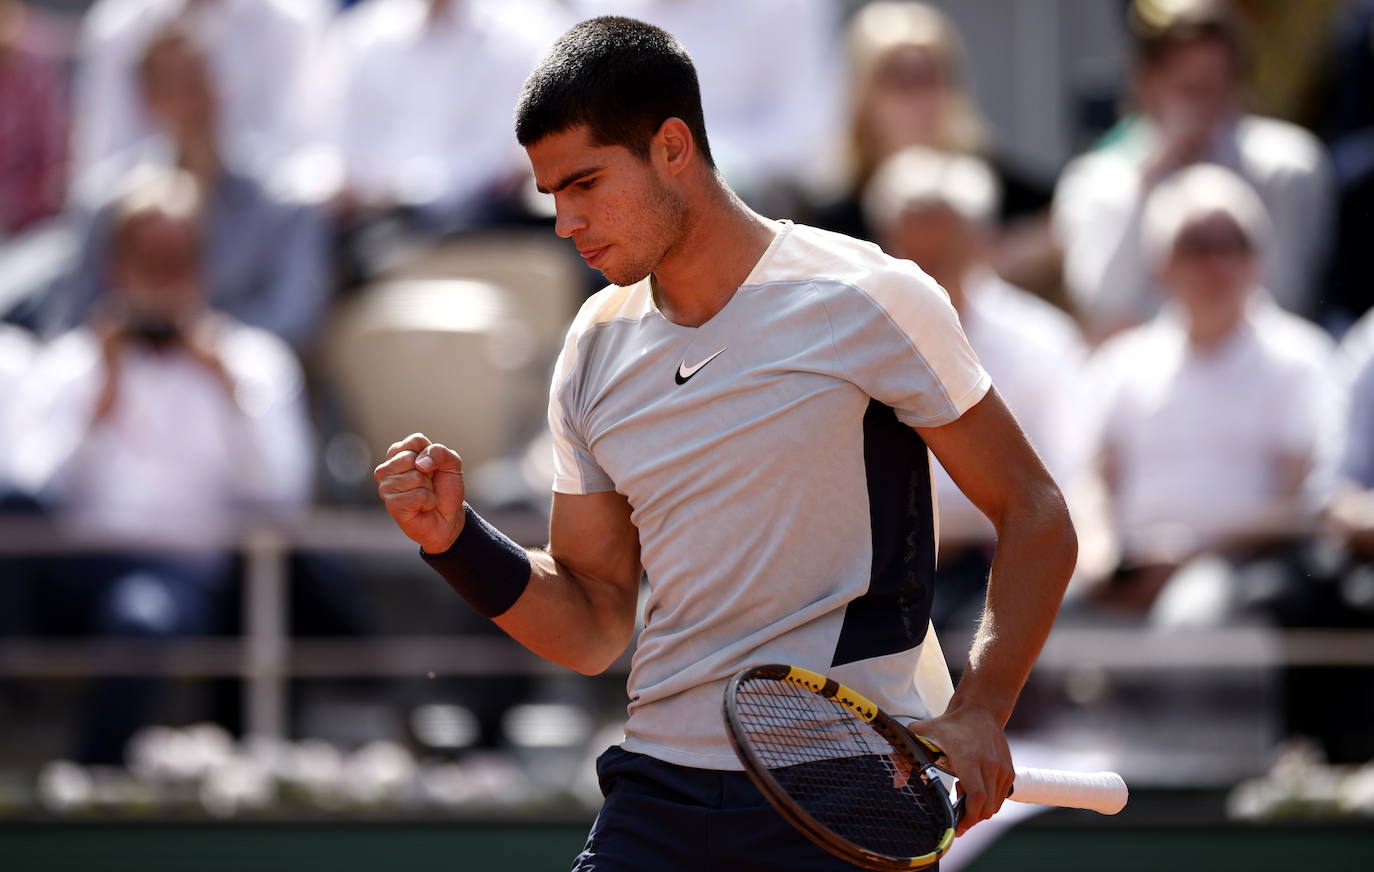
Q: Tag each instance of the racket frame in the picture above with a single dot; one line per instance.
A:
(923, 766)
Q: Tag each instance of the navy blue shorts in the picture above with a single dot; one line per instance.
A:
(667, 818)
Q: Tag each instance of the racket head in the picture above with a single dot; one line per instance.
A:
(838, 768)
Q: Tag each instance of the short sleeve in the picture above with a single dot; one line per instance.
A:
(898, 338)
(575, 470)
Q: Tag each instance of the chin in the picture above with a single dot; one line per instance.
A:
(623, 277)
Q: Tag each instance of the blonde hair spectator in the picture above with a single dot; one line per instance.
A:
(908, 86)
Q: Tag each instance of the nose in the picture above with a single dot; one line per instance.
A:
(568, 220)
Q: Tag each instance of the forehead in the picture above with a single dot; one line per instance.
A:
(559, 157)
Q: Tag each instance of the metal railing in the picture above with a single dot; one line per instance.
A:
(266, 657)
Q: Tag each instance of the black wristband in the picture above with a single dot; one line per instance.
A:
(484, 566)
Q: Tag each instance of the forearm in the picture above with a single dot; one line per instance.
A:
(1036, 551)
(573, 604)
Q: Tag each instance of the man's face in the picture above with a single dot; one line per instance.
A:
(618, 209)
(1193, 89)
(938, 239)
(177, 91)
(1212, 267)
(156, 266)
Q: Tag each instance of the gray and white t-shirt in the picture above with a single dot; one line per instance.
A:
(783, 502)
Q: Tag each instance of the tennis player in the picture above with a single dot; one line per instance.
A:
(743, 416)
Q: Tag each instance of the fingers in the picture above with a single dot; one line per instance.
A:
(437, 458)
(417, 452)
(976, 752)
(415, 442)
(407, 504)
(401, 482)
(985, 787)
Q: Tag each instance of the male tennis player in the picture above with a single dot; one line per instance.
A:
(744, 416)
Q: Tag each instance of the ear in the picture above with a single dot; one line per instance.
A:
(673, 143)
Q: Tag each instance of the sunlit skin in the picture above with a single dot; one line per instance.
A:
(156, 269)
(667, 214)
(1188, 95)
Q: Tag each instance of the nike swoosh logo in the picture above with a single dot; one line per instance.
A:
(685, 372)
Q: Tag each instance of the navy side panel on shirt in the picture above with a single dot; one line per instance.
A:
(891, 616)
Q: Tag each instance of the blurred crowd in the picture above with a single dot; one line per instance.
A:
(244, 244)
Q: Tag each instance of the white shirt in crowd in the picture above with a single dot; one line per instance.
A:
(16, 351)
(770, 77)
(1196, 437)
(1099, 202)
(261, 52)
(420, 109)
(1035, 354)
(179, 460)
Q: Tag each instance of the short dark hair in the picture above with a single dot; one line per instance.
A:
(620, 77)
(1157, 39)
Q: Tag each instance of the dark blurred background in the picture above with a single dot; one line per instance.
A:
(247, 244)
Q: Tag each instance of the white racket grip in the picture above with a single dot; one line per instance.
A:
(1102, 792)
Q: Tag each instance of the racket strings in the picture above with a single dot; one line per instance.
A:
(841, 770)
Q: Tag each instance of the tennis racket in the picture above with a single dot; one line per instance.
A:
(855, 781)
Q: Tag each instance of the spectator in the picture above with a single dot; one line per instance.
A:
(1216, 416)
(908, 87)
(1188, 90)
(418, 97)
(768, 82)
(16, 351)
(264, 259)
(259, 51)
(939, 210)
(1352, 509)
(158, 426)
(33, 118)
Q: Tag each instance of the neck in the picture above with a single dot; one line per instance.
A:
(721, 242)
(1207, 333)
(199, 157)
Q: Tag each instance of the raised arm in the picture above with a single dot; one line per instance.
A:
(572, 603)
(991, 461)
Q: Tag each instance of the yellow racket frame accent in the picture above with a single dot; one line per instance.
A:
(862, 706)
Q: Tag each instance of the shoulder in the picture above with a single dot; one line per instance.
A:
(1293, 341)
(1098, 174)
(253, 353)
(610, 304)
(1036, 322)
(1355, 354)
(64, 359)
(1269, 145)
(1136, 349)
(842, 270)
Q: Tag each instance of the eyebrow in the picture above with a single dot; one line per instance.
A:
(568, 180)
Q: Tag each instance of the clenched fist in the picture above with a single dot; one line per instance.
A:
(421, 483)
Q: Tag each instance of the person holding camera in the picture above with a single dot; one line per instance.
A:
(154, 428)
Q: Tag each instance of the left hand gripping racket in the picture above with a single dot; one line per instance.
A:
(855, 781)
